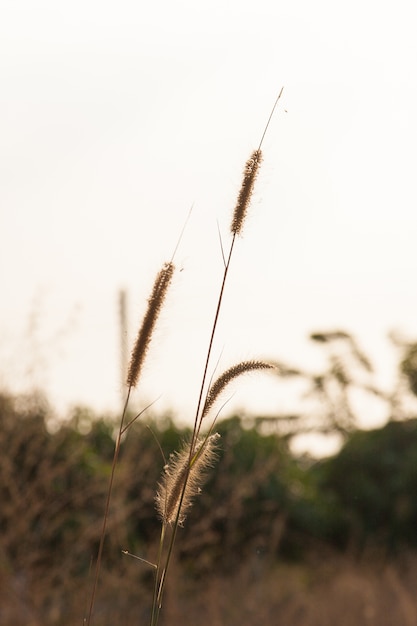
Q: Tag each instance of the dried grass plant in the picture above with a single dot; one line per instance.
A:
(184, 473)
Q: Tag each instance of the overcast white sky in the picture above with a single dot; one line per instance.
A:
(116, 117)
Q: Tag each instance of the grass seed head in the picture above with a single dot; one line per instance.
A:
(249, 176)
(143, 339)
(182, 479)
(233, 372)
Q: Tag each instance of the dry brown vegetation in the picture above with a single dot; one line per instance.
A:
(324, 590)
(244, 556)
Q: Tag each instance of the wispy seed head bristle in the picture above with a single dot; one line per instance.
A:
(182, 479)
(249, 175)
(155, 303)
(227, 376)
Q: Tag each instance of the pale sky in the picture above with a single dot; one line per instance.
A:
(116, 117)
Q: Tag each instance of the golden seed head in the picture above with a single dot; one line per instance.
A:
(143, 339)
(236, 370)
(182, 479)
(249, 175)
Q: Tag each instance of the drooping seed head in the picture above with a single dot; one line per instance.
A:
(236, 370)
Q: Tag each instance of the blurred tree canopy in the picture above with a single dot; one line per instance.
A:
(372, 483)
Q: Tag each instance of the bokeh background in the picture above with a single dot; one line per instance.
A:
(121, 123)
(117, 118)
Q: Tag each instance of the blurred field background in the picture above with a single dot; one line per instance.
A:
(115, 118)
(275, 537)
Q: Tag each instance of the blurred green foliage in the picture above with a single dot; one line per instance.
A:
(372, 483)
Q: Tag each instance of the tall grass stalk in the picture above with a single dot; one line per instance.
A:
(140, 349)
(196, 447)
(185, 470)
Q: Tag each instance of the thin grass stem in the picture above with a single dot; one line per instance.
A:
(158, 579)
(236, 228)
(106, 509)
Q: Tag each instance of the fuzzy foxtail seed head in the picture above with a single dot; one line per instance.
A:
(249, 176)
(143, 339)
(182, 479)
(233, 372)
